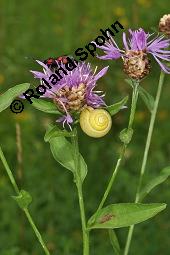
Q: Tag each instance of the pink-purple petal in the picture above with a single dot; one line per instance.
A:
(165, 68)
(101, 73)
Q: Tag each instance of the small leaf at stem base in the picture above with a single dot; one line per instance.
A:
(126, 135)
(23, 199)
(115, 108)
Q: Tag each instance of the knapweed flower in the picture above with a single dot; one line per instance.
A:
(164, 24)
(74, 90)
(135, 54)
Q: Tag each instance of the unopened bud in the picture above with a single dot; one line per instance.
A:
(164, 24)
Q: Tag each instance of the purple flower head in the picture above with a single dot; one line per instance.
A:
(73, 90)
(137, 47)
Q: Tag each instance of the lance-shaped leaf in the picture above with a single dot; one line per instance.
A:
(114, 241)
(63, 152)
(23, 199)
(147, 98)
(7, 97)
(45, 106)
(124, 215)
(54, 131)
(115, 108)
(164, 174)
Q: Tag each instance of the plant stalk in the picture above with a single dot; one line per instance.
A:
(112, 179)
(37, 233)
(80, 194)
(145, 156)
(15, 186)
(122, 153)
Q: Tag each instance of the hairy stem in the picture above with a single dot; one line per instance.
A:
(145, 156)
(80, 194)
(122, 153)
(15, 186)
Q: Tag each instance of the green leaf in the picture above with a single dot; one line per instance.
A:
(45, 106)
(115, 108)
(63, 153)
(147, 98)
(7, 97)
(124, 215)
(114, 241)
(54, 131)
(164, 174)
(126, 135)
(23, 199)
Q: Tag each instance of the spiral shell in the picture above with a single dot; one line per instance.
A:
(95, 122)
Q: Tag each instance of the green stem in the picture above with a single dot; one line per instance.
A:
(83, 220)
(80, 194)
(133, 105)
(15, 186)
(9, 173)
(109, 186)
(145, 156)
(122, 153)
(36, 231)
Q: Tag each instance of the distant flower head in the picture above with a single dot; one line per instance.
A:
(74, 91)
(136, 50)
(164, 24)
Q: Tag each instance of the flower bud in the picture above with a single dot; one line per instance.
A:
(164, 24)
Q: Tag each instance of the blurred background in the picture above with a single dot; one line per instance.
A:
(41, 29)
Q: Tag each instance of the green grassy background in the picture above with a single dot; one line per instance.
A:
(39, 29)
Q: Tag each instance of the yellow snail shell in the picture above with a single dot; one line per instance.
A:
(95, 122)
